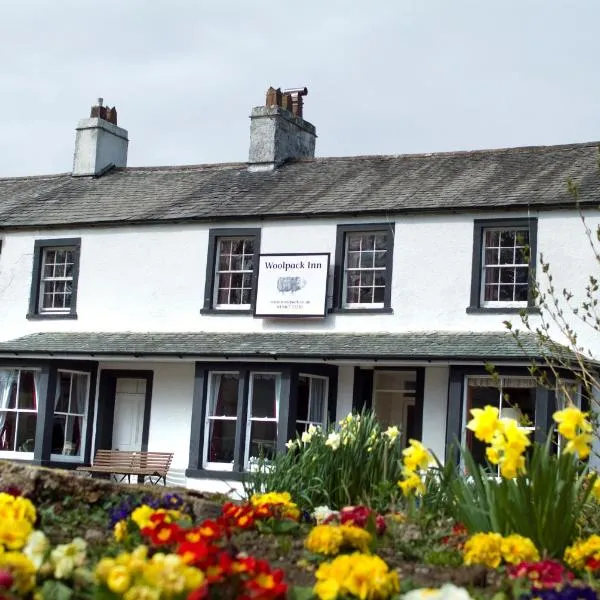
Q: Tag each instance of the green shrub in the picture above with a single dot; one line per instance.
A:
(352, 463)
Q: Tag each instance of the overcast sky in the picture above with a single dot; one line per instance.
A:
(384, 76)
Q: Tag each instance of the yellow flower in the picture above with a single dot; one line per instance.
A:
(141, 515)
(356, 575)
(118, 580)
(328, 589)
(416, 456)
(412, 482)
(515, 438)
(516, 548)
(141, 592)
(120, 530)
(577, 555)
(21, 568)
(324, 539)
(571, 421)
(580, 445)
(17, 508)
(483, 549)
(14, 534)
(512, 465)
(596, 489)
(484, 423)
(356, 537)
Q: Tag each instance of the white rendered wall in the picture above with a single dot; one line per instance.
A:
(152, 278)
(435, 402)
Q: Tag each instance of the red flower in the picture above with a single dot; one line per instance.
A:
(593, 564)
(199, 554)
(359, 516)
(6, 580)
(542, 574)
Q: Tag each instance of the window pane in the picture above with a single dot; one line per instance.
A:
(248, 264)
(224, 262)
(72, 445)
(366, 278)
(223, 296)
(353, 260)
(378, 295)
(224, 395)
(236, 263)
(366, 295)
(352, 295)
(380, 259)
(379, 278)
(246, 296)
(224, 247)
(221, 441)
(264, 396)
(507, 239)
(26, 432)
(492, 238)
(490, 293)
(237, 246)
(8, 422)
(302, 399)
(506, 293)
(366, 260)
(27, 398)
(63, 391)
(263, 439)
(79, 394)
(506, 256)
(521, 293)
(236, 280)
(353, 242)
(58, 433)
(381, 241)
(492, 275)
(507, 276)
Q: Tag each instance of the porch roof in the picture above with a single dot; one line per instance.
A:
(415, 345)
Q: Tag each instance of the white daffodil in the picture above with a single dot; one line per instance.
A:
(333, 440)
(392, 434)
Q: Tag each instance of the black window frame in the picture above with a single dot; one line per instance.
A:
(340, 257)
(214, 235)
(479, 228)
(34, 297)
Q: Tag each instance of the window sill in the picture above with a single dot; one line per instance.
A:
(226, 311)
(361, 311)
(50, 317)
(220, 475)
(501, 310)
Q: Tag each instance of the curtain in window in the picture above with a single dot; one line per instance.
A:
(7, 379)
(317, 399)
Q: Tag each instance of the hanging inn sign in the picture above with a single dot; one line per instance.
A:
(292, 285)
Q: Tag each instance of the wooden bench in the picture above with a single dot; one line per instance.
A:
(153, 465)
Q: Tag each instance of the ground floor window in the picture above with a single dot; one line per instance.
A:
(243, 418)
(394, 399)
(18, 409)
(70, 413)
(513, 396)
(221, 420)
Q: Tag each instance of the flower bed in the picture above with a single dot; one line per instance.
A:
(275, 546)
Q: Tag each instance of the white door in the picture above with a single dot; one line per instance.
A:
(130, 399)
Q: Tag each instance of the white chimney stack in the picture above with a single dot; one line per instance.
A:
(278, 131)
(100, 144)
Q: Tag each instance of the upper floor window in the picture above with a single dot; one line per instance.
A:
(364, 266)
(231, 269)
(503, 261)
(54, 280)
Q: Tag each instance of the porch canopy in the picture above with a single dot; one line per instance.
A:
(417, 345)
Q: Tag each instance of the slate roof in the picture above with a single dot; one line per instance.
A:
(490, 179)
(433, 345)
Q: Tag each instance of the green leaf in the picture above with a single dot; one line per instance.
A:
(55, 590)
(301, 593)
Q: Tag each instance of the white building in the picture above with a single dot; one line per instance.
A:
(215, 310)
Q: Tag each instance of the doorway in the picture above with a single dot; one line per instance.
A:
(123, 418)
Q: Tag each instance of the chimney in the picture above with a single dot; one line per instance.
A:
(100, 144)
(278, 131)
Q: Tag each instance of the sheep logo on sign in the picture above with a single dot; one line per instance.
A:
(290, 284)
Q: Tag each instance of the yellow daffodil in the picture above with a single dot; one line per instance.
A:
(484, 423)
